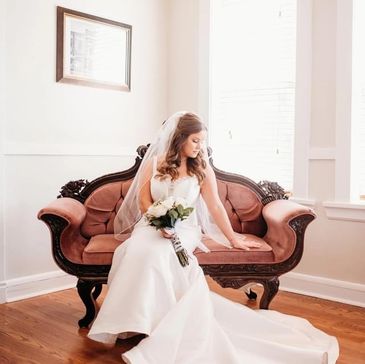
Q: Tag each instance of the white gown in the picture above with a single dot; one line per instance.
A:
(150, 292)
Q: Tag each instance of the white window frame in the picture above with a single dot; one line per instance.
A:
(345, 206)
(302, 153)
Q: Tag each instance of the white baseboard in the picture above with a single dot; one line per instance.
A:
(329, 289)
(35, 285)
(2, 292)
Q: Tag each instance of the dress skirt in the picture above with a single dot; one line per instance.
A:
(149, 292)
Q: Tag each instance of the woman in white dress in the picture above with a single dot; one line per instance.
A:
(149, 292)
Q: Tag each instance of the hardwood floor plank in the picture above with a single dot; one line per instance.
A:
(43, 330)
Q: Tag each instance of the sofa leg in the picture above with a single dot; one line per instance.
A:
(84, 288)
(97, 290)
(271, 287)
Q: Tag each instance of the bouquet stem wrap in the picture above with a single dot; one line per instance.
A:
(179, 250)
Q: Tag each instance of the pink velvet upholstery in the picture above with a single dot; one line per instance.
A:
(242, 205)
(280, 235)
(74, 212)
(101, 248)
(222, 255)
(71, 210)
(243, 208)
(101, 208)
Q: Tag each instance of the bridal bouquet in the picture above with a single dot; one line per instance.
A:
(163, 214)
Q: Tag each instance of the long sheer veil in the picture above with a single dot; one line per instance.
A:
(129, 213)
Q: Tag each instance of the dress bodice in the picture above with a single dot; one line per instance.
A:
(185, 187)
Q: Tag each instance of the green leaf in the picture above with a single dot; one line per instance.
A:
(156, 222)
(172, 221)
(173, 213)
(188, 211)
(180, 209)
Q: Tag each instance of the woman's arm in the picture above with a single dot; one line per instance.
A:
(209, 191)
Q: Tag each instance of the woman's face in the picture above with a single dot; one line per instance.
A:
(193, 144)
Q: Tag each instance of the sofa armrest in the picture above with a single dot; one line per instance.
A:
(68, 208)
(64, 217)
(282, 234)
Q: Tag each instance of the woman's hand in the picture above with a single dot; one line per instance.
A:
(166, 234)
(240, 242)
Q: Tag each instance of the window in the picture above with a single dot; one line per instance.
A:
(253, 86)
(358, 102)
(349, 115)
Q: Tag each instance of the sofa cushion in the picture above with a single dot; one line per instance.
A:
(101, 247)
(221, 255)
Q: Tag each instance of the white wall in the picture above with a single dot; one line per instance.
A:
(2, 119)
(183, 56)
(55, 132)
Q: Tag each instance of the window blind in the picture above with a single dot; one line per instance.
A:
(253, 88)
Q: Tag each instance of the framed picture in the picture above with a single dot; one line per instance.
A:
(93, 51)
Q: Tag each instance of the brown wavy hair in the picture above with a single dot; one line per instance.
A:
(188, 124)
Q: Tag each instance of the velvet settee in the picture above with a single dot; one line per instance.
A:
(80, 221)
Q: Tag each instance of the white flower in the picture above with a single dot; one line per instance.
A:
(168, 202)
(157, 210)
(181, 201)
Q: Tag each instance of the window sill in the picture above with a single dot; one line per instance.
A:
(347, 211)
(303, 201)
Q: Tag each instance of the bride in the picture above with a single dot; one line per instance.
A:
(149, 292)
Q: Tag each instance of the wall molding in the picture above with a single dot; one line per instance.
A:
(35, 285)
(325, 288)
(36, 149)
(346, 211)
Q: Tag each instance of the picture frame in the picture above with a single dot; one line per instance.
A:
(93, 51)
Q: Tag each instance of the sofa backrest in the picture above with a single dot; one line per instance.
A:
(243, 207)
(102, 206)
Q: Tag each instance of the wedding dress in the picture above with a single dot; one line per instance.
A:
(150, 292)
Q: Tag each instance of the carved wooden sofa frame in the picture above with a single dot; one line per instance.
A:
(292, 217)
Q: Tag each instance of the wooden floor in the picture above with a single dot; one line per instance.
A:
(44, 329)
